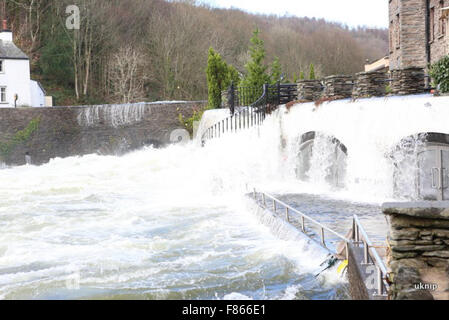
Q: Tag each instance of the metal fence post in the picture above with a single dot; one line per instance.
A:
(232, 99)
(323, 240)
(279, 93)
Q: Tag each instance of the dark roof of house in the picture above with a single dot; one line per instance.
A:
(8, 50)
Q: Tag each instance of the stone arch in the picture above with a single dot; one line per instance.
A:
(421, 167)
(325, 151)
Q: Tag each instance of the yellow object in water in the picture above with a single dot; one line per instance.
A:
(342, 267)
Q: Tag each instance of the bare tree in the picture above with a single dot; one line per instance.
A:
(125, 75)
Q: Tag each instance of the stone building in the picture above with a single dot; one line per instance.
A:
(418, 32)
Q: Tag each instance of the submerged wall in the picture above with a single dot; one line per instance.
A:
(48, 133)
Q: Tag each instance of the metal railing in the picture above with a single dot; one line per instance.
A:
(370, 255)
(305, 224)
(248, 116)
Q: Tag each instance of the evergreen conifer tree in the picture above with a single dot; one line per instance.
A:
(295, 78)
(276, 71)
(256, 75)
(312, 72)
(219, 77)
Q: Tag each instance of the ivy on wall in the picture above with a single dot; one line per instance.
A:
(19, 137)
(189, 123)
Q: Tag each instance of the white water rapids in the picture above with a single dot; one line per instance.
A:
(174, 223)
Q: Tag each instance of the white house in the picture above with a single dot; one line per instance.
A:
(16, 87)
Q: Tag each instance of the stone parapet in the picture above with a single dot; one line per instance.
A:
(419, 250)
(338, 86)
(370, 84)
(408, 81)
(310, 90)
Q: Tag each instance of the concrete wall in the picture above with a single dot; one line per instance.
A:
(16, 79)
(70, 131)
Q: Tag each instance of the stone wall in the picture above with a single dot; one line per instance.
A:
(419, 255)
(310, 90)
(70, 131)
(408, 81)
(338, 86)
(408, 33)
(369, 84)
(394, 24)
(439, 42)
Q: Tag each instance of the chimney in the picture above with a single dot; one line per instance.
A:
(5, 34)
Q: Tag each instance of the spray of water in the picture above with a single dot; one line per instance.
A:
(173, 224)
(112, 115)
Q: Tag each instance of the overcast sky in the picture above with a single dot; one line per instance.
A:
(373, 13)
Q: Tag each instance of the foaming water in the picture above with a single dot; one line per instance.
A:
(174, 223)
(154, 224)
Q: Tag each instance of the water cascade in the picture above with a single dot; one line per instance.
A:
(174, 223)
(112, 115)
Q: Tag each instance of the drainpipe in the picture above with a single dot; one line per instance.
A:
(428, 53)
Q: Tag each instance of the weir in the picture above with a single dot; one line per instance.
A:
(374, 149)
(153, 239)
(80, 130)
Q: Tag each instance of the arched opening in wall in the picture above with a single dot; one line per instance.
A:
(421, 167)
(321, 159)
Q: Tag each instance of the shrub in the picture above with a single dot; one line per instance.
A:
(312, 72)
(440, 74)
(189, 123)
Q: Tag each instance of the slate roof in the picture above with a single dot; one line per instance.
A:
(8, 50)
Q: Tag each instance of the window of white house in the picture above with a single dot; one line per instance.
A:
(2, 94)
(2, 66)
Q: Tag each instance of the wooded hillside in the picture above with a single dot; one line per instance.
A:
(136, 50)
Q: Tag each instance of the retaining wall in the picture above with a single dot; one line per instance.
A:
(71, 131)
(419, 255)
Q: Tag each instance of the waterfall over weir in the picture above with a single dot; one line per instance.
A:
(174, 223)
(113, 115)
(355, 140)
(117, 115)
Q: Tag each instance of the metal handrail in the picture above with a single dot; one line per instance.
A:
(313, 221)
(360, 235)
(288, 213)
